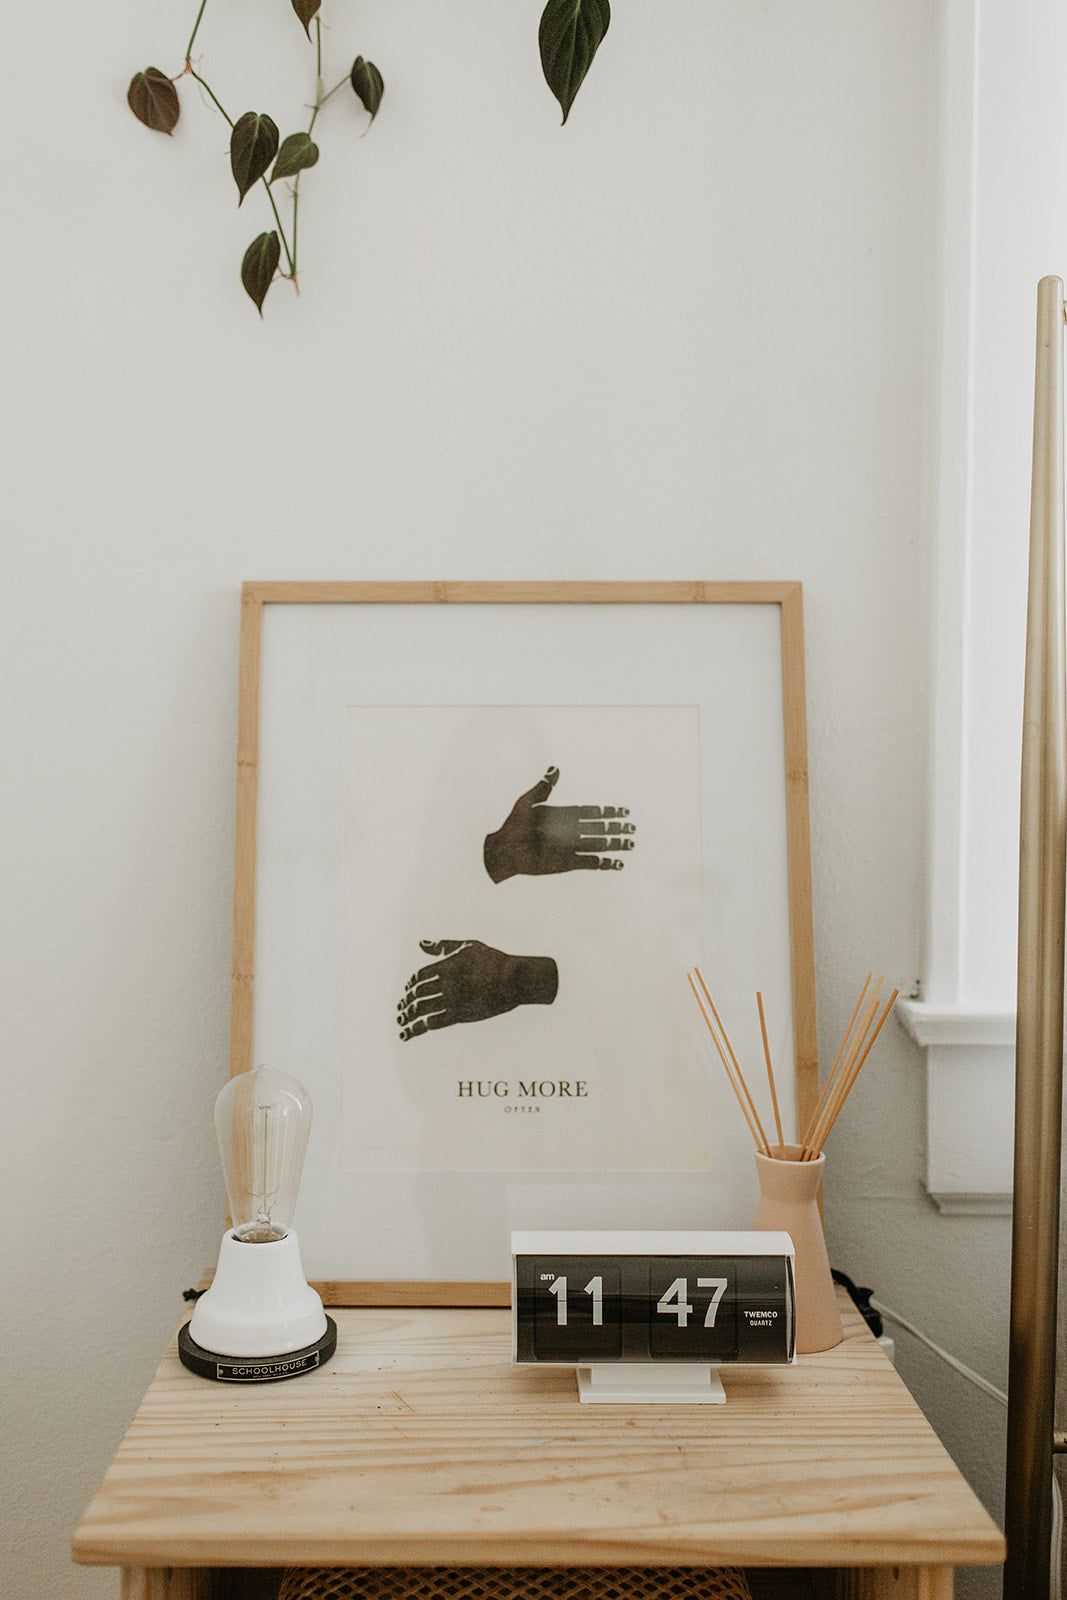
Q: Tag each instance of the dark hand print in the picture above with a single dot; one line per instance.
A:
(537, 838)
(470, 982)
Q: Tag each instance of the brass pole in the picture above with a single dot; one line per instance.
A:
(1039, 1024)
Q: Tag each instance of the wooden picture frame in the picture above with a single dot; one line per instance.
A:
(262, 602)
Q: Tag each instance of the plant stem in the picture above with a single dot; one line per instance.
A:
(196, 27)
(320, 99)
(290, 255)
(296, 199)
(323, 99)
(204, 85)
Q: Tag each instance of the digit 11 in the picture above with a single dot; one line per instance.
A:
(594, 1287)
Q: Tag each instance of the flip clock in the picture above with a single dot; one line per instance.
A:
(648, 1317)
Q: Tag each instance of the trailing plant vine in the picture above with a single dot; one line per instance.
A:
(570, 34)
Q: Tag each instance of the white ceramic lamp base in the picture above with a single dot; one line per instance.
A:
(259, 1304)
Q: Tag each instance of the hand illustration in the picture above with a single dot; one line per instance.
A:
(469, 982)
(537, 838)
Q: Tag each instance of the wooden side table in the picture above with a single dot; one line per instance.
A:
(420, 1445)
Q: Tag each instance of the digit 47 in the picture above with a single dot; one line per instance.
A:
(675, 1303)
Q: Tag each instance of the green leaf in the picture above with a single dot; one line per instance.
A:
(368, 83)
(153, 99)
(253, 146)
(570, 35)
(305, 10)
(297, 152)
(259, 266)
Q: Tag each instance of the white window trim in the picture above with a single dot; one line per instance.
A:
(970, 1095)
(969, 1048)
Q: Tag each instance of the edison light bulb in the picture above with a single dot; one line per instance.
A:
(262, 1119)
(260, 1319)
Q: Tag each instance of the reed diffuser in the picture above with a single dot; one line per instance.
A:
(856, 1046)
(790, 1175)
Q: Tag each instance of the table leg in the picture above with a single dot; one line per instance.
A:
(885, 1583)
(167, 1583)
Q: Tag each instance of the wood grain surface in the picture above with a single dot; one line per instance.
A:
(419, 1443)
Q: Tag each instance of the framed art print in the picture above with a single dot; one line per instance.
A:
(483, 832)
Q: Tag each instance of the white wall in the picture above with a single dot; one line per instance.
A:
(1020, 236)
(687, 336)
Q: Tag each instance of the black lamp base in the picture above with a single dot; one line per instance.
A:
(256, 1369)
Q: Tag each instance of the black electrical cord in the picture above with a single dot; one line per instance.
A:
(861, 1299)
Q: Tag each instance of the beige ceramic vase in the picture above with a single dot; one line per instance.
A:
(788, 1201)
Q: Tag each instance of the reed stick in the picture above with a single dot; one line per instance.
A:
(752, 1127)
(770, 1071)
(733, 1058)
(820, 1103)
(851, 1045)
(840, 1088)
(855, 1045)
(856, 1069)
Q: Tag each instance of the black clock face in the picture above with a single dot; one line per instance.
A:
(709, 1309)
